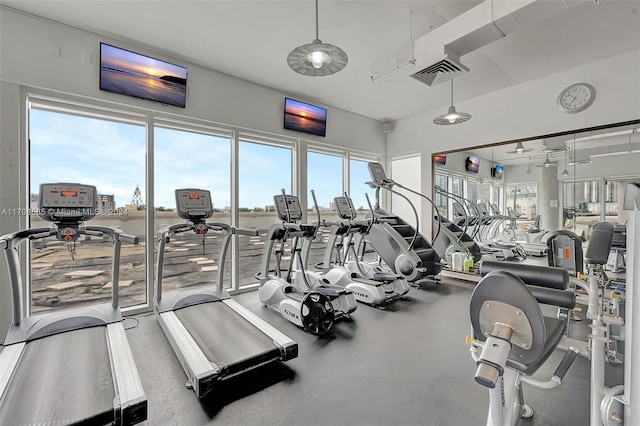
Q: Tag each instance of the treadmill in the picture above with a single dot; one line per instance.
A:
(213, 336)
(73, 365)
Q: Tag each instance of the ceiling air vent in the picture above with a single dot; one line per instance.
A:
(443, 70)
(553, 149)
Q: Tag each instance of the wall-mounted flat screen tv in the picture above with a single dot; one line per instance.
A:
(496, 172)
(140, 76)
(440, 159)
(305, 118)
(472, 164)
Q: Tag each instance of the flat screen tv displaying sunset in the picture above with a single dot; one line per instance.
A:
(440, 158)
(472, 164)
(305, 118)
(133, 74)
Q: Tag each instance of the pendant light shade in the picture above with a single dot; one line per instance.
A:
(565, 172)
(452, 116)
(317, 59)
(520, 149)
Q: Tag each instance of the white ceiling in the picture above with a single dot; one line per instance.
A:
(251, 40)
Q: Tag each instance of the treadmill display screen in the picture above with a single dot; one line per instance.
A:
(70, 202)
(194, 203)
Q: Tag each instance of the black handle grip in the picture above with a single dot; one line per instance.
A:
(248, 232)
(566, 362)
(131, 239)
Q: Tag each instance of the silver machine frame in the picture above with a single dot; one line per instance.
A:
(130, 404)
(202, 373)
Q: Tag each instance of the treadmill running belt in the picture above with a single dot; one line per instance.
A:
(62, 379)
(226, 338)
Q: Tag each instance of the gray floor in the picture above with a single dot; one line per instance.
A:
(406, 365)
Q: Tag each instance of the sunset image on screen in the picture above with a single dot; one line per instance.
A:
(304, 117)
(132, 74)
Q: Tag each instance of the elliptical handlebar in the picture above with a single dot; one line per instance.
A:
(315, 206)
(464, 210)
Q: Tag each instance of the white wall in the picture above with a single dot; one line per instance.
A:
(525, 110)
(406, 171)
(25, 59)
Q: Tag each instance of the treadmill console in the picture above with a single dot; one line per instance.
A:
(377, 173)
(194, 204)
(67, 202)
(345, 209)
(291, 211)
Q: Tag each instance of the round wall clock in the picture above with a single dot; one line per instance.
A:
(576, 98)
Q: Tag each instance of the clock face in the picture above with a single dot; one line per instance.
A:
(576, 98)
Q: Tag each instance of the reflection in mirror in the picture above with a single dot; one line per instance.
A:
(570, 180)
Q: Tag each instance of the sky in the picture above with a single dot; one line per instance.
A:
(305, 110)
(111, 156)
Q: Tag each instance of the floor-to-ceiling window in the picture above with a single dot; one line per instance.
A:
(264, 170)
(441, 201)
(192, 259)
(74, 144)
(126, 152)
(581, 205)
(472, 190)
(358, 176)
(325, 171)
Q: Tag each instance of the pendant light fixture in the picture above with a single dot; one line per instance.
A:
(565, 172)
(317, 59)
(546, 164)
(452, 117)
(520, 149)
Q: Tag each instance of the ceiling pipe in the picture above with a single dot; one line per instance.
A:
(482, 25)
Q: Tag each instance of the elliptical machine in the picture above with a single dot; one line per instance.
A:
(314, 305)
(341, 266)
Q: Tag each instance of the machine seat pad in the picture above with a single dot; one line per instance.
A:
(599, 244)
(542, 276)
(550, 296)
(555, 330)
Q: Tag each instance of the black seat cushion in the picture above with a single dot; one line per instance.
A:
(599, 244)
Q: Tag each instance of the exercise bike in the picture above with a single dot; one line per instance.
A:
(312, 307)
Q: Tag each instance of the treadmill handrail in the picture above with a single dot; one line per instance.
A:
(10, 241)
(226, 229)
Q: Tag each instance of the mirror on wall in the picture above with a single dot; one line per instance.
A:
(566, 181)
